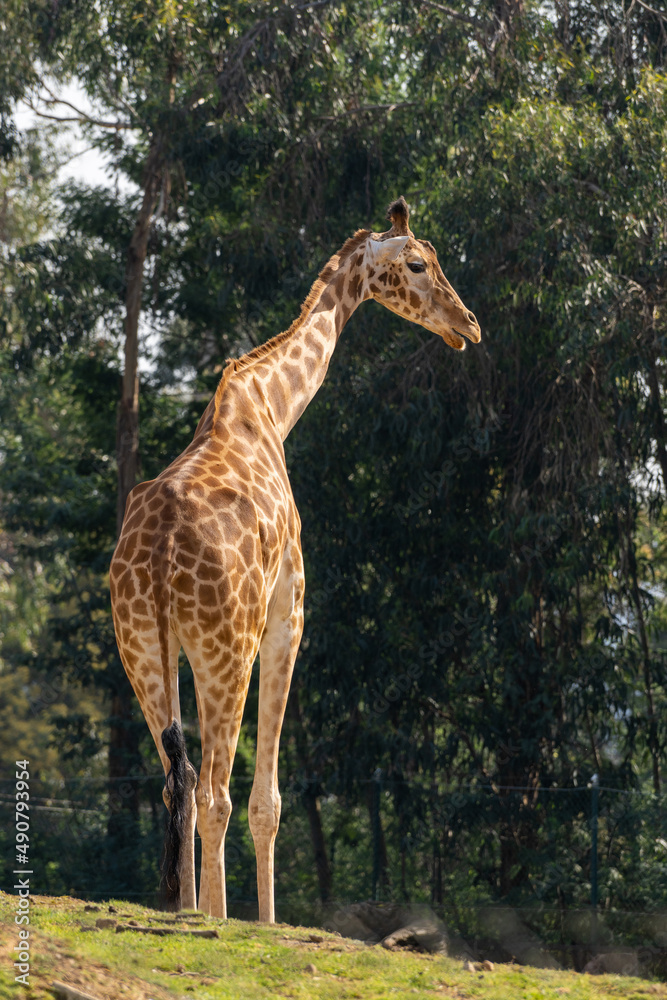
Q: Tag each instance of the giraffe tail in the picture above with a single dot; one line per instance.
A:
(178, 788)
(177, 783)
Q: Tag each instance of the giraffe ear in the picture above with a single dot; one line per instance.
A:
(384, 251)
(398, 214)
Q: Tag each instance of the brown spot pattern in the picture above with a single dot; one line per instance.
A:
(209, 555)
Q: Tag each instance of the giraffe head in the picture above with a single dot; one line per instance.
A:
(404, 275)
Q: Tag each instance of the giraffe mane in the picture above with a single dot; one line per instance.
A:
(257, 353)
(329, 268)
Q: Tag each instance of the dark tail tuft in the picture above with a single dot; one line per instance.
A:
(173, 742)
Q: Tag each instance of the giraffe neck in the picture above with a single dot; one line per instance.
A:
(284, 375)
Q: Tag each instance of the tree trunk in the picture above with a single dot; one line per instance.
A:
(311, 803)
(652, 735)
(629, 570)
(123, 758)
(123, 736)
(659, 426)
(127, 431)
(381, 878)
(507, 14)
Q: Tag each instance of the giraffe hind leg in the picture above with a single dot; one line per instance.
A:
(146, 675)
(219, 722)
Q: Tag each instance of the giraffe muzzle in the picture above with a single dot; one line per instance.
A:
(472, 332)
(474, 336)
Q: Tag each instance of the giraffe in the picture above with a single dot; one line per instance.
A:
(209, 556)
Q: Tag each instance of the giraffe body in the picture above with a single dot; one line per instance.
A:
(209, 556)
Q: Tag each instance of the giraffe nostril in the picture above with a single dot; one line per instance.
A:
(472, 318)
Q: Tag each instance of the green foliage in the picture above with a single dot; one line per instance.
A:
(484, 534)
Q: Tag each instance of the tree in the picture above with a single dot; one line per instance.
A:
(159, 77)
(483, 533)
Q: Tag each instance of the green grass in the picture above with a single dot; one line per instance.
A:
(257, 962)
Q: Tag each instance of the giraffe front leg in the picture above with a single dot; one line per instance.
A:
(204, 900)
(276, 658)
(264, 819)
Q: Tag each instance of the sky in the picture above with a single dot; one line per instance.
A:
(89, 166)
(84, 164)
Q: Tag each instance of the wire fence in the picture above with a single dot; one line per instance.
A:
(601, 886)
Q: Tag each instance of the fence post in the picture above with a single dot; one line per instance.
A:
(377, 781)
(595, 791)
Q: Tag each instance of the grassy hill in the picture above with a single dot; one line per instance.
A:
(249, 961)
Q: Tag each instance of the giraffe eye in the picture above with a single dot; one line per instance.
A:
(416, 266)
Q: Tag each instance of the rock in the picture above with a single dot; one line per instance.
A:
(398, 937)
(469, 967)
(105, 922)
(67, 992)
(619, 963)
(487, 966)
(350, 925)
(502, 925)
(391, 924)
(420, 938)
(211, 932)
(311, 969)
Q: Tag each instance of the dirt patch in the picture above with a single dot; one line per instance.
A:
(101, 983)
(53, 959)
(318, 942)
(92, 978)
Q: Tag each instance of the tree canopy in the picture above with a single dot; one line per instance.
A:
(483, 533)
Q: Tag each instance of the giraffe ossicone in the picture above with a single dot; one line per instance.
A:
(384, 251)
(209, 555)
